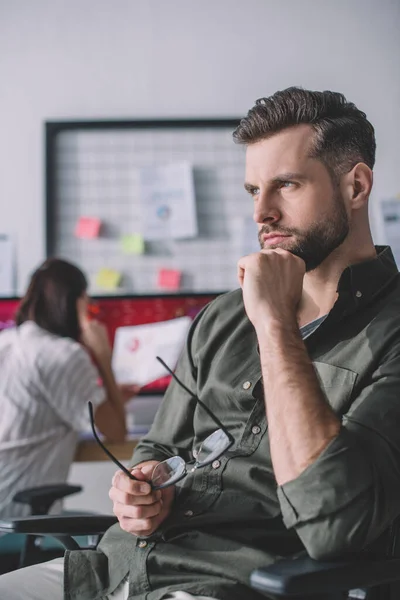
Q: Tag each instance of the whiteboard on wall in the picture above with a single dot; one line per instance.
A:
(93, 169)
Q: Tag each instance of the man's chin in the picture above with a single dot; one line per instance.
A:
(283, 245)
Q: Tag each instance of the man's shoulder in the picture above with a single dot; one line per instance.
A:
(225, 313)
(226, 305)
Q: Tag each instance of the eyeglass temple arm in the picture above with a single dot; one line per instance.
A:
(208, 411)
(109, 454)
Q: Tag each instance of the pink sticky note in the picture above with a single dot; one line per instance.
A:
(169, 279)
(87, 227)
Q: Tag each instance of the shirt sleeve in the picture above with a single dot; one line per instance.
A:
(70, 382)
(351, 493)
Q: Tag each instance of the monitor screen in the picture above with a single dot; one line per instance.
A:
(115, 311)
(8, 306)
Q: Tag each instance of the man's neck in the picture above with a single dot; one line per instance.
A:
(320, 285)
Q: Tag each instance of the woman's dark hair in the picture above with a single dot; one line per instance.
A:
(343, 135)
(50, 300)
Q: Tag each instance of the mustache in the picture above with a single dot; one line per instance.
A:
(266, 229)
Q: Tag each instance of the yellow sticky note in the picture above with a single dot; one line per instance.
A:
(108, 279)
(132, 243)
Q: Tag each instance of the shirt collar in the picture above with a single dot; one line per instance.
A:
(361, 282)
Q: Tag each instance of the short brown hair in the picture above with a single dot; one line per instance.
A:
(50, 300)
(343, 135)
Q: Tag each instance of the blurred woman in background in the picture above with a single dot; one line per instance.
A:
(47, 378)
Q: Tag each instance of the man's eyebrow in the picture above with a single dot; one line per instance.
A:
(288, 176)
(249, 187)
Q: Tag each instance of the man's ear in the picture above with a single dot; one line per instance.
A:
(359, 183)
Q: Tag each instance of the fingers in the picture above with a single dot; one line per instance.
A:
(139, 509)
(139, 512)
(122, 482)
(121, 497)
(147, 470)
(139, 526)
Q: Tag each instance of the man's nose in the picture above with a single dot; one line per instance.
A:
(266, 212)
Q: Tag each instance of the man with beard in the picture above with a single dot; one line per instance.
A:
(310, 345)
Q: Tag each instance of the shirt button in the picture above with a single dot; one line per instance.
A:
(247, 385)
(188, 513)
(358, 294)
(142, 544)
(256, 429)
(216, 464)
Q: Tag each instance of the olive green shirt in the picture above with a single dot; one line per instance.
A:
(231, 517)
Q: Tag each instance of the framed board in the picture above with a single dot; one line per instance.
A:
(93, 169)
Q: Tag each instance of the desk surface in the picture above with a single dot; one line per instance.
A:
(90, 451)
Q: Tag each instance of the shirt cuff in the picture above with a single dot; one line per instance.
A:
(328, 485)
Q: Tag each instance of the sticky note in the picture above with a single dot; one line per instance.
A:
(108, 279)
(169, 279)
(88, 227)
(132, 243)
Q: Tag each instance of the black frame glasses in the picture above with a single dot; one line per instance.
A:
(172, 470)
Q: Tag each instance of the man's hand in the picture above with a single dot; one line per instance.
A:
(139, 509)
(272, 283)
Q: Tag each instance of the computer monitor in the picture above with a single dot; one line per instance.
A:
(115, 311)
(8, 306)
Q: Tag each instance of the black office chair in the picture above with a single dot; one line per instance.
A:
(23, 550)
(62, 527)
(370, 575)
(373, 574)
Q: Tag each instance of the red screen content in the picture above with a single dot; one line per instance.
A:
(8, 306)
(116, 311)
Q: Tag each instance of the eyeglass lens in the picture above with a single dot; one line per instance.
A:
(173, 469)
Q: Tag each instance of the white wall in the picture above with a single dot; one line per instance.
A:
(161, 58)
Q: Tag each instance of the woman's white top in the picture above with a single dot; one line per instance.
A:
(45, 384)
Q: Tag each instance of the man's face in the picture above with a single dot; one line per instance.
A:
(296, 206)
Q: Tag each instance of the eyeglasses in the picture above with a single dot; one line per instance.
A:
(174, 469)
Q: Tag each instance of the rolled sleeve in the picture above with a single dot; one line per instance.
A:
(308, 497)
(351, 493)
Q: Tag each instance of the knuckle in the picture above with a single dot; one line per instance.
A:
(117, 478)
(136, 512)
(146, 524)
(157, 508)
(123, 522)
(125, 498)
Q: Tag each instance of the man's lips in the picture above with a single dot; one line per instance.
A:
(274, 238)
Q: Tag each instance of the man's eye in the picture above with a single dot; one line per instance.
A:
(286, 184)
(254, 191)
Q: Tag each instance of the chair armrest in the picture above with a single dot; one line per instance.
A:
(303, 575)
(41, 498)
(59, 525)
